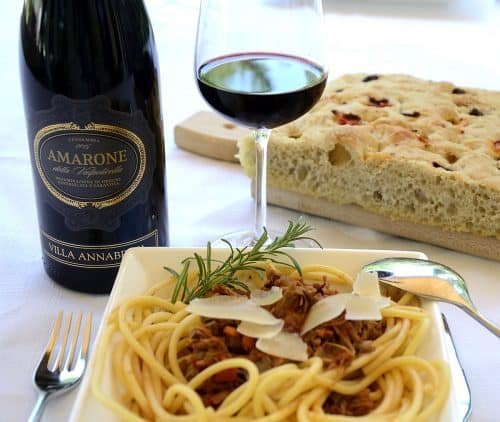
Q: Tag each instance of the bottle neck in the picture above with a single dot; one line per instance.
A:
(37, 4)
(71, 41)
(46, 12)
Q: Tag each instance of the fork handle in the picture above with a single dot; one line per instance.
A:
(37, 411)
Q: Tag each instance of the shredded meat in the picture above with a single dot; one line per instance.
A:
(218, 340)
(214, 390)
(240, 345)
(337, 342)
(298, 297)
(204, 350)
(356, 405)
(221, 289)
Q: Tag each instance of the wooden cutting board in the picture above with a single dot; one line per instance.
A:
(207, 134)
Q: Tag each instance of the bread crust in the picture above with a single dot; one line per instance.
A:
(412, 150)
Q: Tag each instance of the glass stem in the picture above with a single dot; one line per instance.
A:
(261, 137)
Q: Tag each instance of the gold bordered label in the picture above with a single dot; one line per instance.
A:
(92, 256)
(98, 165)
(92, 164)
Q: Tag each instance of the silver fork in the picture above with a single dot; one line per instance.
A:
(58, 374)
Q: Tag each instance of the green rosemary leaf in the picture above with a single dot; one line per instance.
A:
(284, 263)
(177, 289)
(294, 264)
(260, 242)
(228, 244)
(277, 241)
(209, 257)
(172, 271)
(214, 272)
(202, 270)
(241, 285)
(181, 286)
(177, 286)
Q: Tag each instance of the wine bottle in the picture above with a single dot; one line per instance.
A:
(90, 83)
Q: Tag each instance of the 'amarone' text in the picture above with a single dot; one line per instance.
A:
(97, 159)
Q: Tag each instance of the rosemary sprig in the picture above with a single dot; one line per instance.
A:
(210, 275)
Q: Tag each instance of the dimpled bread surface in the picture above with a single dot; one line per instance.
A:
(412, 150)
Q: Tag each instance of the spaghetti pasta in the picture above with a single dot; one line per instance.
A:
(165, 365)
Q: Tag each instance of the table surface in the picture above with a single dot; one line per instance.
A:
(456, 42)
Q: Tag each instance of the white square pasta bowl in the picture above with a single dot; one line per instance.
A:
(141, 268)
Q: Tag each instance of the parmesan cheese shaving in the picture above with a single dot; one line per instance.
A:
(365, 307)
(266, 297)
(284, 345)
(231, 307)
(366, 284)
(251, 329)
(364, 303)
(325, 310)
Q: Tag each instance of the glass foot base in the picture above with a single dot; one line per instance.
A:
(242, 238)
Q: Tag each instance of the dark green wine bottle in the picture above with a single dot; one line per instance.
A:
(90, 82)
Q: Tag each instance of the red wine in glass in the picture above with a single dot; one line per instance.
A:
(261, 90)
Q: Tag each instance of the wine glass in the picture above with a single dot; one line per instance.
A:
(261, 64)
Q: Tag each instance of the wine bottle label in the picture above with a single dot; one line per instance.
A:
(93, 163)
(92, 256)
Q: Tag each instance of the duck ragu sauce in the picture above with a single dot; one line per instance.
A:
(336, 342)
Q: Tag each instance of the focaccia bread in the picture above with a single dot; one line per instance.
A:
(412, 150)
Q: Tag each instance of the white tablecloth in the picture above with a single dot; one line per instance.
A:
(207, 198)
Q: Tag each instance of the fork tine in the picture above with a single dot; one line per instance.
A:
(76, 332)
(49, 349)
(62, 349)
(86, 337)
